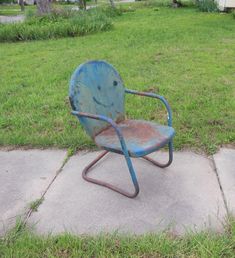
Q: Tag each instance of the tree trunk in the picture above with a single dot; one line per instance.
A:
(43, 6)
(21, 2)
(112, 3)
(82, 4)
(176, 3)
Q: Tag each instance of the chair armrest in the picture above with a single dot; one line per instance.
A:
(97, 117)
(153, 95)
(109, 121)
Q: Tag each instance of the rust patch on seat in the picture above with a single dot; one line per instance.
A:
(136, 130)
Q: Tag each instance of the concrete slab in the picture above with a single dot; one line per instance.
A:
(185, 195)
(225, 165)
(11, 19)
(24, 175)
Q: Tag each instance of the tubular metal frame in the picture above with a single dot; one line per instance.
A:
(124, 147)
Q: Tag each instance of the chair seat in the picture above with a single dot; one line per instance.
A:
(141, 137)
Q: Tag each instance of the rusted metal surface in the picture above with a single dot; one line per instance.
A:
(97, 99)
(162, 165)
(102, 183)
(141, 137)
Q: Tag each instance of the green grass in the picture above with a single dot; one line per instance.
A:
(57, 25)
(207, 6)
(183, 54)
(14, 9)
(23, 243)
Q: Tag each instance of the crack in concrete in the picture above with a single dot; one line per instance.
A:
(30, 211)
(220, 185)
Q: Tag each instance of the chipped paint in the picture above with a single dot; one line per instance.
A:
(97, 88)
(141, 137)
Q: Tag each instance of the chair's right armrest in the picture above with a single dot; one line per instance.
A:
(156, 96)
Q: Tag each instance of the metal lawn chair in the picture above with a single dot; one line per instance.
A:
(97, 97)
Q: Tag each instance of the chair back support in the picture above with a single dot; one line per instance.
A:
(97, 88)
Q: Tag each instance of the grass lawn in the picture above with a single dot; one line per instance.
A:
(183, 54)
(10, 9)
(25, 244)
(14, 9)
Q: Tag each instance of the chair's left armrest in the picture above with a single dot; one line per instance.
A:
(156, 96)
(93, 116)
(107, 120)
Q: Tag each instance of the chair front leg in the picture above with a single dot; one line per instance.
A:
(110, 186)
(124, 152)
(170, 146)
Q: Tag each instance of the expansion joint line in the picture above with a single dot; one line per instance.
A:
(30, 211)
(220, 185)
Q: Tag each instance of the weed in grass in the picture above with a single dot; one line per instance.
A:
(35, 204)
(12, 234)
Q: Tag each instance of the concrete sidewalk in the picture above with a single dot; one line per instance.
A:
(194, 193)
(11, 18)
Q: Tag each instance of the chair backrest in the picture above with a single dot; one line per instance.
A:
(97, 88)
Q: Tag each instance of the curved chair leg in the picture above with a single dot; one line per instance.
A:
(110, 186)
(170, 145)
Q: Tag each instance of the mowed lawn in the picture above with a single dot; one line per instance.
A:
(185, 55)
(202, 245)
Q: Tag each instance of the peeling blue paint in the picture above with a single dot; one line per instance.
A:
(97, 88)
(141, 137)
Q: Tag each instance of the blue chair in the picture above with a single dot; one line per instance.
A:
(97, 97)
